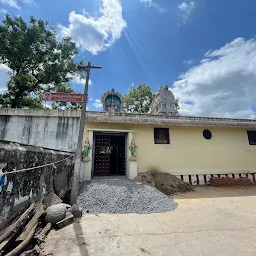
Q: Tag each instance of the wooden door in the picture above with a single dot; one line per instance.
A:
(121, 156)
(101, 155)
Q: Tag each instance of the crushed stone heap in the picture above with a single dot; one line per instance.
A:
(122, 196)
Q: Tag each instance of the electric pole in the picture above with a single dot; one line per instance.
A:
(76, 174)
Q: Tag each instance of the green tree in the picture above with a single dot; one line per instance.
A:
(138, 99)
(38, 61)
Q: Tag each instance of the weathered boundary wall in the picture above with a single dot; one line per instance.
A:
(31, 186)
(56, 130)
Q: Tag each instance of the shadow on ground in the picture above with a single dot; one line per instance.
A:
(80, 238)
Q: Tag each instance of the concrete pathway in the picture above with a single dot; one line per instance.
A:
(209, 221)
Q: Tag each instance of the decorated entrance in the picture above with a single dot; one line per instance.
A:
(109, 154)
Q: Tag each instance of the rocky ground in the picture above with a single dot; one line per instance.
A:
(122, 196)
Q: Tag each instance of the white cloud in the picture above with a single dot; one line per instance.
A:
(185, 10)
(28, 1)
(4, 77)
(11, 3)
(147, 2)
(5, 68)
(96, 35)
(79, 80)
(187, 62)
(14, 4)
(223, 84)
(3, 11)
(150, 3)
(97, 104)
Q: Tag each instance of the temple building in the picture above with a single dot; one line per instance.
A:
(165, 103)
(192, 148)
(112, 101)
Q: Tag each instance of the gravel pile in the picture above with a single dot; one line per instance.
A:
(122, 196)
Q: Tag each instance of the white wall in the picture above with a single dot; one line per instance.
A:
(53, 132)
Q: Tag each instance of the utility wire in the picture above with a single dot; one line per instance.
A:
(37, 167)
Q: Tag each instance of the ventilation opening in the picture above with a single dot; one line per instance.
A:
(207, 134)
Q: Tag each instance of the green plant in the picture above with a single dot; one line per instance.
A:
(109, 149)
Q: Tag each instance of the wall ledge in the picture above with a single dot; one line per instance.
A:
(134, 118)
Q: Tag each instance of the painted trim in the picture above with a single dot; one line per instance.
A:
(207, 172)
(108, 130)
(131, 166)
(184, 123)
(204, 179)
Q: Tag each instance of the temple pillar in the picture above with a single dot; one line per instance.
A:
(132, 170)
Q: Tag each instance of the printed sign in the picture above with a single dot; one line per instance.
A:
(61, 96)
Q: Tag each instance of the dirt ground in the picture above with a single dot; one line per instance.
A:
(208, 221)
(165, 182)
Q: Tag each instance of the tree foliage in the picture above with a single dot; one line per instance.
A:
(138, 99)
(38, 61)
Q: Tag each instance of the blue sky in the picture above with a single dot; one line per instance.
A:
(205, 50)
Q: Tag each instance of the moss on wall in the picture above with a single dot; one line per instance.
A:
(31, 185)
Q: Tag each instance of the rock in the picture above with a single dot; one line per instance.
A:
(76, 211)
(66, 221)
(56, 213)
(51, 199)
(61, 184)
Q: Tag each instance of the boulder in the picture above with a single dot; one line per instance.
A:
(51, 199)
(56, 213)
(76, 211)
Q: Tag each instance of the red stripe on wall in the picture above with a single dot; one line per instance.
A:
(197, 179)
(205, 181)
(190, 180)
(253, 176)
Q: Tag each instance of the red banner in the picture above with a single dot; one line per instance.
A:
(61, 96)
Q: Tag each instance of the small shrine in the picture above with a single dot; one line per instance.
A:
(112, 101)
(165, 103)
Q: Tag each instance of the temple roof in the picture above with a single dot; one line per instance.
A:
(166, 95)
(164, 103)
(112, 92)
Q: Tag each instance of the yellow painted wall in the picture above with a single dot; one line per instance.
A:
(189, 152)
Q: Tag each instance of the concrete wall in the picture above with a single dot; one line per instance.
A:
(189, 152)
(23, 187)
(58, 132)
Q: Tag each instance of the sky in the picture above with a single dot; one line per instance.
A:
(204, 50)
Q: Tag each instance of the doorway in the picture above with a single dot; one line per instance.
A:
(109, 154)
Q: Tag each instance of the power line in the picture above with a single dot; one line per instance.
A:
(75, 180)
